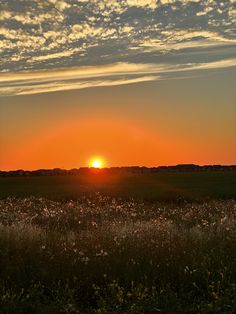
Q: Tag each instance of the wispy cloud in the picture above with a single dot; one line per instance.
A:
(185, 39)
(86, 77)
(117, 69)
(68, 85)
(78, 78)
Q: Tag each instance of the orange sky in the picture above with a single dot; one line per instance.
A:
(143, 83)
(152, 124)
(119, 140)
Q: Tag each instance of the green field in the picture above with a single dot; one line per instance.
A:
(155, 186)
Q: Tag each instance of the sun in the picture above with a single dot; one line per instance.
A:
(96, 163)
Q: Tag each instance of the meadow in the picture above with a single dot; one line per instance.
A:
(117, 253)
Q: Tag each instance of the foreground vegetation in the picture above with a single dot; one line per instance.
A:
(106, 255)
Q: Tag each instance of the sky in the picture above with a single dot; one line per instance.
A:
(133, 82)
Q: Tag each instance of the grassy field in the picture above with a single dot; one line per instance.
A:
(104, 255)
(158, 243)
(156, 186)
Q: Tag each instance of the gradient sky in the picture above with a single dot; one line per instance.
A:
(137, 82)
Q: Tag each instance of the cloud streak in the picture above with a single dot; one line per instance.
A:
(26, 83)
(68, 85)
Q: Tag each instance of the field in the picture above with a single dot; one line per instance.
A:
(163, 243)
(149, 187)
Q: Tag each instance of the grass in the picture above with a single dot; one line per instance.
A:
(149, 187)
(110, 255)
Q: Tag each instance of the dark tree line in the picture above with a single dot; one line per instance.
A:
(134, 169)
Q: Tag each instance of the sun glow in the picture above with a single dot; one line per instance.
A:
(96, 163)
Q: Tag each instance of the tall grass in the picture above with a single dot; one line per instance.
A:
(106, 255)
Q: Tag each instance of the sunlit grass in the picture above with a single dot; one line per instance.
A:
(106, 255)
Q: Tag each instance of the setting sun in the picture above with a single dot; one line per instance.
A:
(96, 163)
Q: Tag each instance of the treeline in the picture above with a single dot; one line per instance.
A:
(134, 169)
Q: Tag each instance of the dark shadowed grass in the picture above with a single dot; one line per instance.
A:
(107, 255)
(144, 186)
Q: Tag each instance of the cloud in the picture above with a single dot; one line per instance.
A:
(40, 36)
(116, 69)
(214, 65)
(182, 39)
(182, 1)
(59, 4)
(4, 15)
(152, 4)
(69, 79)
(65, 86)
(93, 76)
(55, 55)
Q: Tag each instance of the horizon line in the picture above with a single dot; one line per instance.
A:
(120, 167)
